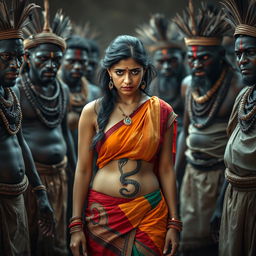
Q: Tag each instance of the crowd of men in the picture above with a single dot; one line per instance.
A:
(47, 76)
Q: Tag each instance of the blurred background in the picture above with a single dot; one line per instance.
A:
(114, 17)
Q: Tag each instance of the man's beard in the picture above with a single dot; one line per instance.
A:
(166, 83)
(249, 82)
(202, 83)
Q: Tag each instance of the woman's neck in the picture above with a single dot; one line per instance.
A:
(130, 99)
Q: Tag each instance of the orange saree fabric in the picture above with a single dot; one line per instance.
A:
(143, 138)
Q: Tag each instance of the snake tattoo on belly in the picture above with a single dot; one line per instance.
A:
(124, 181)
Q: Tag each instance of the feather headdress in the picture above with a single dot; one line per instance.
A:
(14, 15)
(241, 14)
(39, 30)
(85, 31)
(207, 27)
(159, 33)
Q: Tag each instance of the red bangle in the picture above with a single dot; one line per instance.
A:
(75, 218)
(77, 223)
(175, 227)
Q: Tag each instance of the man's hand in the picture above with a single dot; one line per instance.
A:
(215, 225)
(46, 217)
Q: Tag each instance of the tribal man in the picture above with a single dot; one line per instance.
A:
(211, 91)
(16, 162)
(238, 225)
(72, 73)
(93, 54)
(44, 101)
(167, 49)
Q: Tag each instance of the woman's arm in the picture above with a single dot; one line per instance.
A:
(168, 185)
(83, 174)
(167, 175)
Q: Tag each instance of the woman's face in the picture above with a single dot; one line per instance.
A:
(127, 75)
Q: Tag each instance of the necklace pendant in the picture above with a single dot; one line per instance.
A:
(127, 120)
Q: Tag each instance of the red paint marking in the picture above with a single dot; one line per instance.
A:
(78, 54)
(241, 47)
(194, 50)
(164, 51)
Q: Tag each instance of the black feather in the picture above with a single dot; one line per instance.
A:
(209, 21)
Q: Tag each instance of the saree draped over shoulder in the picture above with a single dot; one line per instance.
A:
(134, 226)
(142, 139)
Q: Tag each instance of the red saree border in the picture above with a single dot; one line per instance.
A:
(118, 125)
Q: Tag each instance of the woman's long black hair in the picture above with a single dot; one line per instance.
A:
(122, 47)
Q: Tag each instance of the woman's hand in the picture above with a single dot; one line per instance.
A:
(171, 241)
(77, 243)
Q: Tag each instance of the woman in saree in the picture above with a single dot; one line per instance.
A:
(131, 200)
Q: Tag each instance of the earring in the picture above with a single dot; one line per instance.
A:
(111, 84)
(143, 85)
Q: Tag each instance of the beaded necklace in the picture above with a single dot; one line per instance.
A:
(49, 109)
(204, 98)
(247, 110)
(10, 111)
(208, 108)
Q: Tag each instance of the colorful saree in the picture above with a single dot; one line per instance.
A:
(141, 140)
(120, 226)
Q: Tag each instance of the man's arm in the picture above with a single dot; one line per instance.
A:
(46, 219)
(67, 136)
(180, 163)
(216, 217)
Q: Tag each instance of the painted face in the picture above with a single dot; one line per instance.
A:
(92, 65)
(168, 62)
(11, 58)
(127, 75)
(74, 65)
(44, 61)
(245, 50)
(205, 61)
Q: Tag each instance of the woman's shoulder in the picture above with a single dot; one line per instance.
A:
(90, 110)
(163, 104)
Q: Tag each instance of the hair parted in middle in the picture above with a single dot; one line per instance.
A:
(207, 27)
(121, 48)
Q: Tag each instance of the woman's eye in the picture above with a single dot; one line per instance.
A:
(135, 72)
(119, 73)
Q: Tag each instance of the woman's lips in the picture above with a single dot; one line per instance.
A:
(127, 88)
